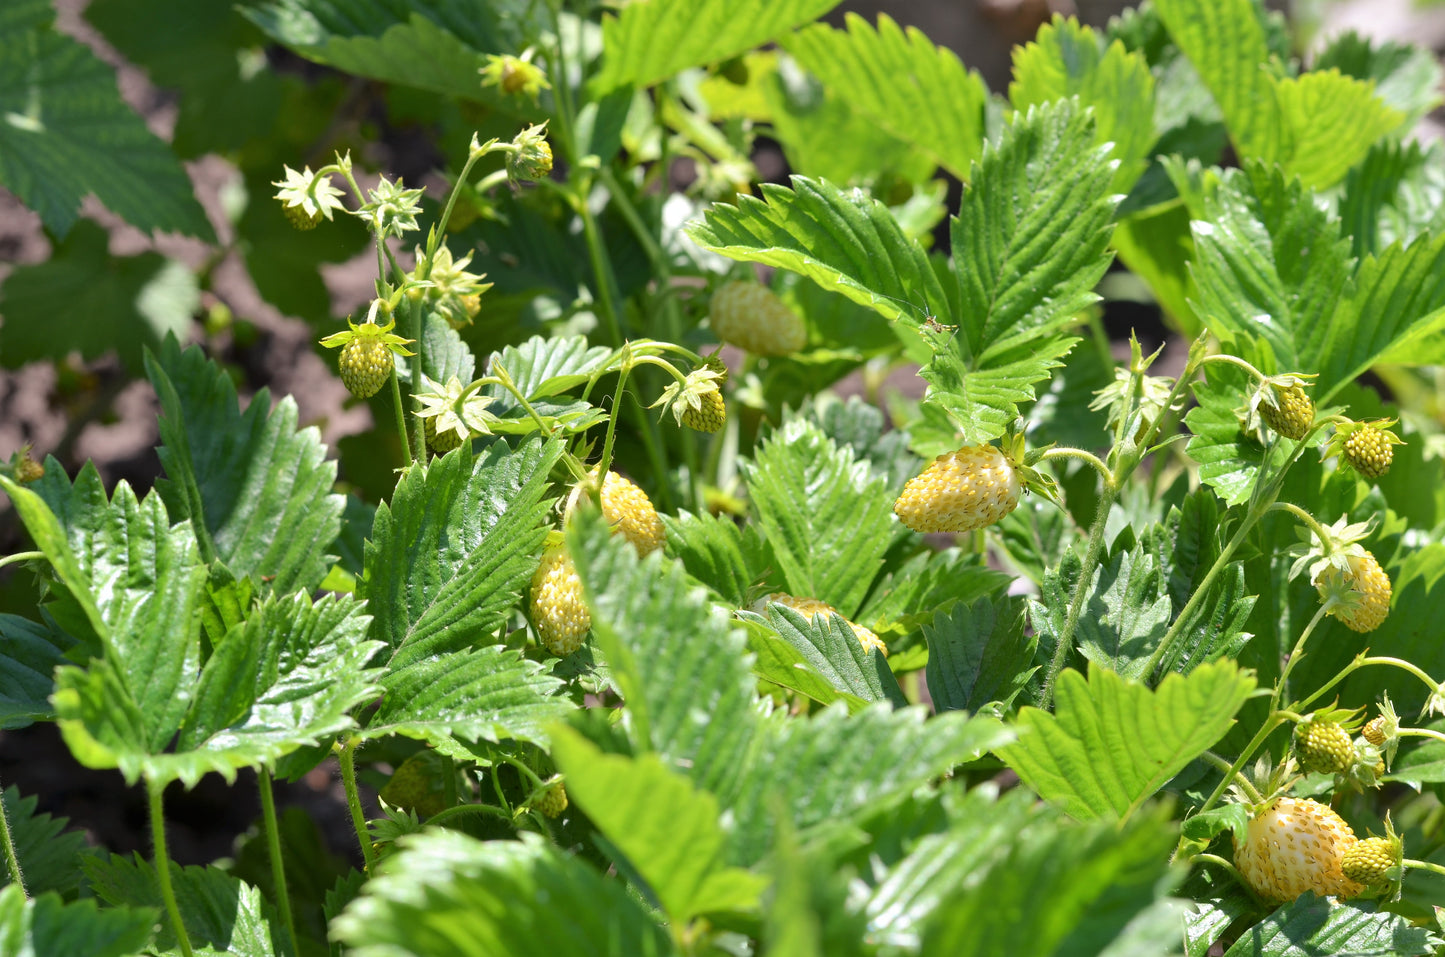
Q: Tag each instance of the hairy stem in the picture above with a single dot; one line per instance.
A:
(163, 865)
(273, 848)
(12, 860)
(347, 759)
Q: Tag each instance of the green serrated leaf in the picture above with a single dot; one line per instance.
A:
(978, 654)
(256, 488)
(65, 133)
(451, 552)
(1227, 43)
(898, 79)
(443, 352)
(544, 368)
(1126, 613)
(845, 242)
(1269, 264)
(448, 895)
(649, 42)
(830, 648)
(1060, 888)
(780, 663)
(221, 914)
(983, 398)
(827, 518)
(728, 558)
(1406, 77)
(1395, 193)
(1066, 59)
(906, 599)
(481, 694)
(1073, 756)
(1332, 121)
(1229, 458)
(1323, 925)
(48, 927)
(667, 829)
(50, 856)
(125, 303)
(1394, 312)
(29, 654)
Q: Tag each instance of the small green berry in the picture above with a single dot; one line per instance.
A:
(365, 363)
(1369, 450)
(1294, 414)
(710, 416)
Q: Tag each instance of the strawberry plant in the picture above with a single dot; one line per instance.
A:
(648, 617)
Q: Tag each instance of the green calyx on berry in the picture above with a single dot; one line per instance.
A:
(447, 288)
(971, 487)
(367, 350)
(23, 467)
(1366, 447)
(697, 400)
(452, 413)
(1351, 583)
(306, 197)
(1383, 731)
(515, 75)
(529, 156)
(1281, 403)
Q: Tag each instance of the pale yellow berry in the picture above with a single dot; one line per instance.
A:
(558, 611)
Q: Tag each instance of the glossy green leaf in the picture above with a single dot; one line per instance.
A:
(256, 488)
(984, 395)
(449, 895)
(1066, 59)
(906, 599)
(65, 133)
(898, 79)
(124, 303)
(1229, 458)
(1395, 193)
(843, 241)
(668, 830)
(447, 560)
(221, 914)
(830, 648)
(807, 912)
(543, 369)
(977, 654)
(828, 519)
(728, 558)
(1110, 743)
(649, 42)
(1322, 925)
(778, 662)
(48, 927)
(49, 855)
(1269, 264)
(1394, 312)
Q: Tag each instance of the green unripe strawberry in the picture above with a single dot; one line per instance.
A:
(1323, 746)
(1292, 416)
(298, 217)
(365, 365)
(439, 443)
(558, 611)
(552, 801)
(967, 489)
(1370, 450)
(749, 316)
(709, 416)
(1367, 861)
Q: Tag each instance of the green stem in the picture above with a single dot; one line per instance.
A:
(1089, 457)
(20, 557)
(1294, 657)
(400, 419)
(1421, 733)
(466, 810)
(163, 864)
(1303, 516)
(12, 860)
(1081, 590)
(661, 267)
(1423, 865)
(1231, 774)
(273, 847)
(412, 315)
(1375, 660)
(347, 759)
